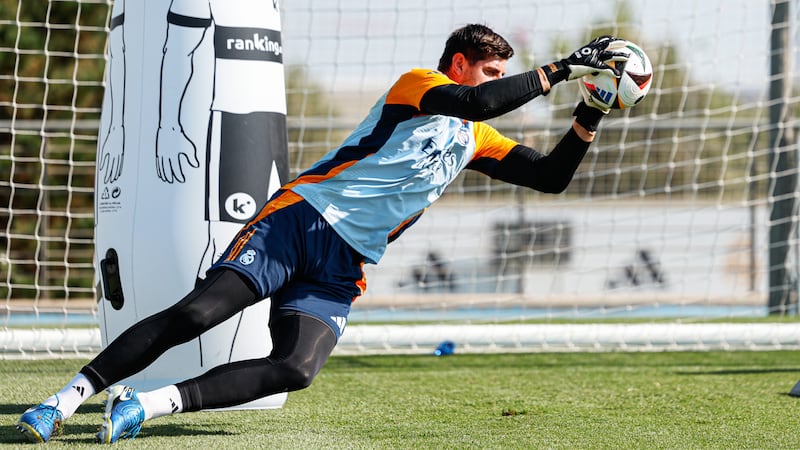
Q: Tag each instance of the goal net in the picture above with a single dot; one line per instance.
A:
(677, 232)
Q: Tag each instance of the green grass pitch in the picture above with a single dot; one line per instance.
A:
(669, 400)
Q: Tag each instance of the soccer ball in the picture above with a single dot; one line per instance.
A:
(630, 88)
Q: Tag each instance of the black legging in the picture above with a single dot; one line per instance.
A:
(301, 345)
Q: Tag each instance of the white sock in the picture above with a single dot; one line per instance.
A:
(71, 396)
(161, 402)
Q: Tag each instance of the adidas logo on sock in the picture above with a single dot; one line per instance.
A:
(174, 406)
(80, 389)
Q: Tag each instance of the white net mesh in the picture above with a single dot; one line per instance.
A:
(673, 218)
(51, 54)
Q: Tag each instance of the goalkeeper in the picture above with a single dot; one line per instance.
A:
(306, 248)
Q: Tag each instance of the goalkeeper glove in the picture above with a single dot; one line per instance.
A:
(591, 58)
(591, 101)
(588, 116)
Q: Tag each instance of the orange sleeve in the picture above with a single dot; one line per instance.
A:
(412, 85)
(489, 143)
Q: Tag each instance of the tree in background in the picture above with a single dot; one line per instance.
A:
(51, 71)
(52, 64)
(670, 156)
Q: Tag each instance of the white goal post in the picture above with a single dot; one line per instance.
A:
(679, 230)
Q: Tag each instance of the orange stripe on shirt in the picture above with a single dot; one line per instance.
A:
(400, 228)
(287, 198)
(412, 85)
(311, 179)
(489, 143)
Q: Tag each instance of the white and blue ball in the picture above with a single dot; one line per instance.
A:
(631, 87)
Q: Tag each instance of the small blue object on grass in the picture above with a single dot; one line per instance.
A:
(795, 392)
(445, 348)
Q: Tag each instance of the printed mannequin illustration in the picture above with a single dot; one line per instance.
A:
(109, 164)
(246, 158)
(192, 143)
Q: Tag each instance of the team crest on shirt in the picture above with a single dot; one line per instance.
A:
(248, 257)
(462, 136)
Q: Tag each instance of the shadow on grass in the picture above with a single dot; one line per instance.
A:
(85, 433)
(18, 409)
(747, 372)
(466, 360)
(740, 371)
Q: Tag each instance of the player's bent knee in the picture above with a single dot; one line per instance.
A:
(298, 377)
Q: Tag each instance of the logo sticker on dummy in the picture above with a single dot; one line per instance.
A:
(240, 206)
(248, 257)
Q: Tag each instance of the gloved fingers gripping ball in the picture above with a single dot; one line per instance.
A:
(626, 91)
(594, 58)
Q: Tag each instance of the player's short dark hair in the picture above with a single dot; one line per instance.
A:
(476, 42)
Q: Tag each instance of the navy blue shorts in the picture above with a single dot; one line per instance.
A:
(292, 255)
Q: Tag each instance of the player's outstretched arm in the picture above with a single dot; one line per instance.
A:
(485, 101)
(497, 97)
(550, 173)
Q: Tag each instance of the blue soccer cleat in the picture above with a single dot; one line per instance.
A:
(38, 423)
(123, 417)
